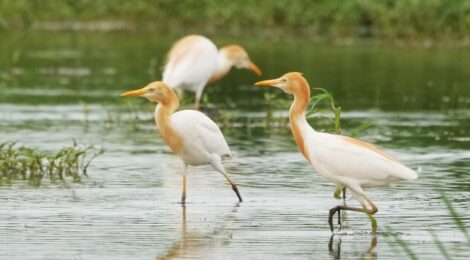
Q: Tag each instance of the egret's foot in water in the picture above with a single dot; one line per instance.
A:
(339, 208)
(183, 194)
(234, 187)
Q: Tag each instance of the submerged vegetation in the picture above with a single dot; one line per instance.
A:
(25, 163)
(383, 19)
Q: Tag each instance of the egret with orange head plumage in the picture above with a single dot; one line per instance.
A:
(347, 162)
(194, 61)
(190, 134)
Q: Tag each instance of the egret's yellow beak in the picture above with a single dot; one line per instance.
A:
(255, 69)
(269, 82)
(137, 92)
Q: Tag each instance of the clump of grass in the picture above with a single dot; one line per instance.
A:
(325, 97)
(24, 163)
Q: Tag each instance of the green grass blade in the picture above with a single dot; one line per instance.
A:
(455, 216)
(440, 245)
(406, 248)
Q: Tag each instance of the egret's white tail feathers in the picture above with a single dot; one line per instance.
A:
(399, 172)
(414, 177)
(416, 174)
(409, 174)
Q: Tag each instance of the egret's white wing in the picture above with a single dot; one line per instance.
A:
(358, 160)
(199, 130)
(191, 62)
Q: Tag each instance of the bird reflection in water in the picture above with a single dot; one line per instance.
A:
(335, 248)
(191, 241)
(178, 248)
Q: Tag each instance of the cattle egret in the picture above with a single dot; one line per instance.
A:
(190, 134)
(194, 61)
(347, 162)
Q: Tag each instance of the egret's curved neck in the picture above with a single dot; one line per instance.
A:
(223, 66)
(163, 112)
(297, 120)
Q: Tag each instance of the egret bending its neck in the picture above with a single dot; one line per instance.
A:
(223, 66)
(232, 56)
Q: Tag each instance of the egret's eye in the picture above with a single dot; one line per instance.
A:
(284, 81)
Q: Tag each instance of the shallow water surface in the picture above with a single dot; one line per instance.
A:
(65, 86)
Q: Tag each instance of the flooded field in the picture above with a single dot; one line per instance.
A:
(56, 87)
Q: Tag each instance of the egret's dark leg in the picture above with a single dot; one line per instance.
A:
(365, 210)
(183, 195)
(234, 187)
(339, 220)
(337, 195)
(216, 163)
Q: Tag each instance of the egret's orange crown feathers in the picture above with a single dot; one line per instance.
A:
(292, 83)
(238, 56)
(156, 91)
(234, 52)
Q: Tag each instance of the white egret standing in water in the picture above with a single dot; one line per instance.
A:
(347, 162)
(190, 134)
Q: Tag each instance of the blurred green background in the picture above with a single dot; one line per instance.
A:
(389, 20)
